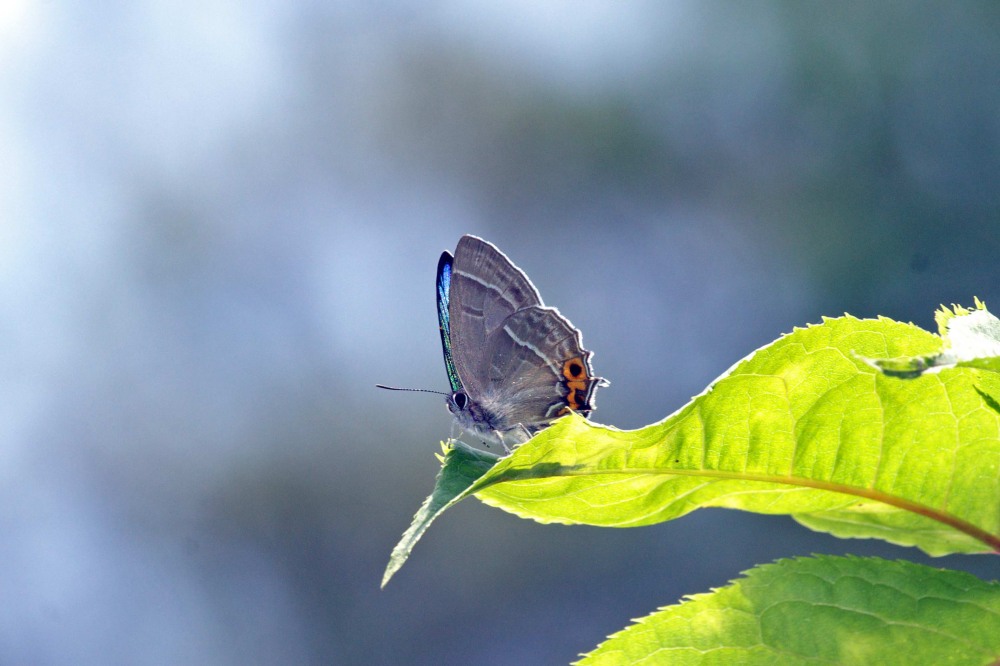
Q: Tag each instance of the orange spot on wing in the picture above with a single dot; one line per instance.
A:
(574, 369)
(577, 381)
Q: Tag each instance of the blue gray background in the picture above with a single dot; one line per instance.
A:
(219, 224)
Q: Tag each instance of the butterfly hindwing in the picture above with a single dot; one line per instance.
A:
(538, 368)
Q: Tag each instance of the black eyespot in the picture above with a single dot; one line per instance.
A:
(575, 369)
(460, 399)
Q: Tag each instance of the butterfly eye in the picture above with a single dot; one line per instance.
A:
(460, 399)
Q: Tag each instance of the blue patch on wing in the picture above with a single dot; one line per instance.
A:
(444, 317)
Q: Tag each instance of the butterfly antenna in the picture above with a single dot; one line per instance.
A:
(397, 388)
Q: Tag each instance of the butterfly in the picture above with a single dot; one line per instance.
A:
(514, 364)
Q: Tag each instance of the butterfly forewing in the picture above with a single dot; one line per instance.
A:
(486, 288)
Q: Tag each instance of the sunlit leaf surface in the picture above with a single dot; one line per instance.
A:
(822, 610)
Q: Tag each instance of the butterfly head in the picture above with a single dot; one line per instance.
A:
(470, 415)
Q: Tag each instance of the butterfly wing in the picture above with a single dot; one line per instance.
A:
(538, 370)
(484, 289)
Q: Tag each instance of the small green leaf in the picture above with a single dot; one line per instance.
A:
(822, 610)
(462, 466)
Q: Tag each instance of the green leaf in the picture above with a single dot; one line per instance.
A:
(971, 339)
(462, 465)
(803, 427)
(822, 610)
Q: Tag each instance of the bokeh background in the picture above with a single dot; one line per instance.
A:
(219, 225)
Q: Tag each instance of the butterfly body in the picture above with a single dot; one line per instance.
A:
(514, 364)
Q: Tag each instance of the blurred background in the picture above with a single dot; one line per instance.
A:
(219, 226)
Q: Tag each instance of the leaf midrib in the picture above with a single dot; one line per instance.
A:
(990, 540)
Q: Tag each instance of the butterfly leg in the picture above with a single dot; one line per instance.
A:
(517, 436)
(524, 434)
(499, 436)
